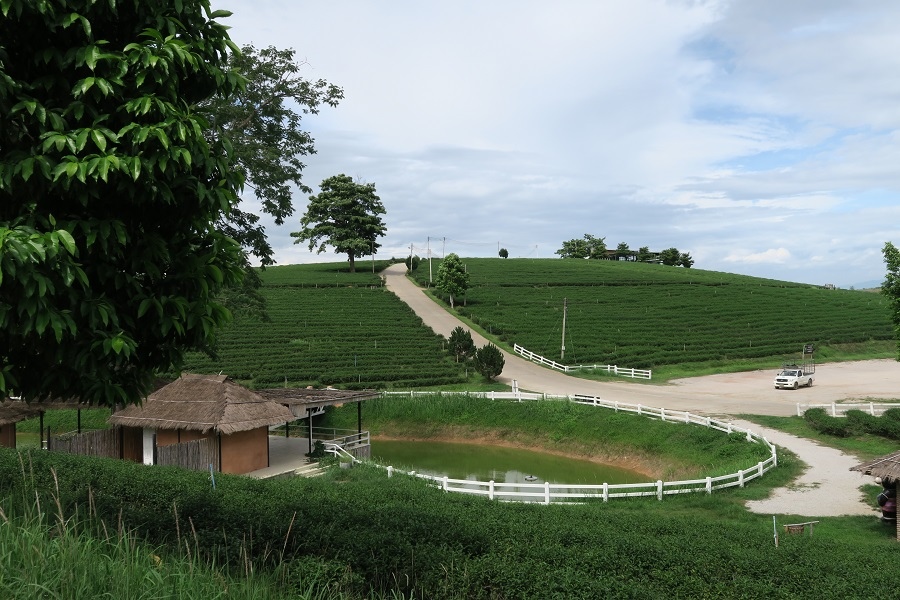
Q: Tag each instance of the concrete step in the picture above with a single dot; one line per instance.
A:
(310, 470)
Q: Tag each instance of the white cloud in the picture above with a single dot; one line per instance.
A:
(711, 126)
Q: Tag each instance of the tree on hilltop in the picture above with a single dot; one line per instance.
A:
(345, 215)
(110, 193)
(586, 247)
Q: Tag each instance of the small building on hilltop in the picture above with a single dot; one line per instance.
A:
(231, 420)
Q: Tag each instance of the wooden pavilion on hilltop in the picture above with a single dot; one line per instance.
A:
(886, 467)
(232, 419)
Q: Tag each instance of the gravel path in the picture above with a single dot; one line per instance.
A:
(827, 487)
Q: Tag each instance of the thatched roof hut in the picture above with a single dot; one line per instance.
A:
(203, 403)
(886, 467)
(13, 411)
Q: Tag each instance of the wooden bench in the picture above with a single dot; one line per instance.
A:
(799, 527)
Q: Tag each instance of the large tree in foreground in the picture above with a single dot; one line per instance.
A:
(109, 194)
(346, 215)
(263, 123)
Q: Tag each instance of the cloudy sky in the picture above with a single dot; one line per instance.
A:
(760, 136)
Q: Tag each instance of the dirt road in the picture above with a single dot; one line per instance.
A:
(827, 488)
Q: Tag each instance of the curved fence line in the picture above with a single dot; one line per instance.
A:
(562, 492)
(621, 371)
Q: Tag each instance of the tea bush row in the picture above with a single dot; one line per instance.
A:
(403, 536)
(855, 422)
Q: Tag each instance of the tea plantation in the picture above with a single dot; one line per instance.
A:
(646, 315)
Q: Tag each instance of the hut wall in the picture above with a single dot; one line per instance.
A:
(245, 451)
(133, 444)
(167, 437)
(8, 435)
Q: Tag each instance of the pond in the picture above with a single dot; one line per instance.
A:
(479, 462)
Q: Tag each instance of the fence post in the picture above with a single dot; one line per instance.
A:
(833, 409)
(638, 409)
(741, 478)
(605, 492)
(546, 492)
(491, 489)
(659, 493)
(709, 485)
(662, 414)
(390, 471)
(761, 470)
(872, 408)
(444, 486)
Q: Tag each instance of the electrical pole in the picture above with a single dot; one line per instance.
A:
(562, 352)
(428, 244)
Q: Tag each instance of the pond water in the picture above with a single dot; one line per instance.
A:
(478, 462)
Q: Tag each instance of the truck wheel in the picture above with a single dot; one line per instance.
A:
(796, 384)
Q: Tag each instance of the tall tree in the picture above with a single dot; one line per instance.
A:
(891, 286)
(263, 123)
(345, 215)
(586, 247)
(461, 344)
(489, 361)
(109, 194)
(685, 260)
(644, 254)
(452, 278)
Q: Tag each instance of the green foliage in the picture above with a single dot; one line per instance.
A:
(398, 536)
(685, 260)
(642, 315)
(330, 327)
(587, 247)
(263, 124)
(460, 344)
(109, 194)
(891, 286)
(855, 422)
(345, 215)
(412, 262)
(670, 257)
(489, 361)
(503, 253)
(452, 277)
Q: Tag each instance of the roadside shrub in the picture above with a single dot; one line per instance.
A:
(822, 422)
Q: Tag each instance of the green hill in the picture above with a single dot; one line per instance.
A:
(646, 316)
(331, 327)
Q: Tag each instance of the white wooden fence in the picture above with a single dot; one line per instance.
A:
(537, 358)
(562, 492)
(840, 410)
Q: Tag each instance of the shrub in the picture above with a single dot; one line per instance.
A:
(489, 361)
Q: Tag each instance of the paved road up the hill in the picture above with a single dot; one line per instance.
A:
(828, 488)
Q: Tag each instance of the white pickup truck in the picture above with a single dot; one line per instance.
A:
(793, 377)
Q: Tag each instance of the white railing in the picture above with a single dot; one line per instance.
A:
(515, 395)
(840, 410)
(339, 452)
(537, 358)
(562, 492)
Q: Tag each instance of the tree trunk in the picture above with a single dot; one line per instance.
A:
(352, 263)
(451, 300)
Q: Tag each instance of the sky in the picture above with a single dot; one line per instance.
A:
(762, 137)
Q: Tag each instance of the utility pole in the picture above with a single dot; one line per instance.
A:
(444, 248)
(428, 244)
(562, 352)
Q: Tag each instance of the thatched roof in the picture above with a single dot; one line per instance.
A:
(884, 467)
(13, 411)
(301, 398)
(203, 403)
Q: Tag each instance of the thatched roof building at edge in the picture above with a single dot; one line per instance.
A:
(888, 468)
(203, 403)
